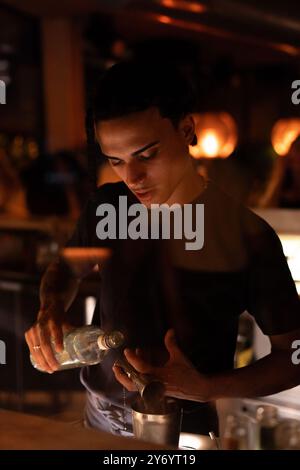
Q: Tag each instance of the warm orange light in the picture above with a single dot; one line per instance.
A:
(284, 133)
(288, 49)
(211, 143)
(184, 5)
(164, 19)
(216, 135)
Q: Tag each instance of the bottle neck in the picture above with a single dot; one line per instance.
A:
(112, 340)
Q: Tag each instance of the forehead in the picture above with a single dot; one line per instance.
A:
(131, 132)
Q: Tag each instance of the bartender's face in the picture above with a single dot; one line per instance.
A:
(147, 152)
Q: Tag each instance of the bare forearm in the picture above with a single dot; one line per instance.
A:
(58, 286)
(57, 291)
(269, 375)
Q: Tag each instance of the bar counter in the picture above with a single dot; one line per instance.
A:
(21, 431)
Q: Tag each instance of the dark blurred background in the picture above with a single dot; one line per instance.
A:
(242, 57)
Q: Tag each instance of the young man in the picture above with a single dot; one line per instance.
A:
(179, 307)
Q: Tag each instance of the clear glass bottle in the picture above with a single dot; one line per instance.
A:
(235, 433)
(84, 346)
(267, 417)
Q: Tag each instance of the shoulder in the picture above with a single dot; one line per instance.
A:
(235, 216)
(85, 231)
(105, 194)
(108, 192)
(226, 203)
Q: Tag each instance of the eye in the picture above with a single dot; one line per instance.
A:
(115, 162)
(148, 157)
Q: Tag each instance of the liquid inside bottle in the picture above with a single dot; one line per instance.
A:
(84, 346)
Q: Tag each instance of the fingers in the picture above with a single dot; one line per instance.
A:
(57, 335)
(123, 379)
(139, 352)
(33, 341)
(137, 362)
(50, 320)
(41, 334)
(176, 355)
(171, 344)
(46, 347)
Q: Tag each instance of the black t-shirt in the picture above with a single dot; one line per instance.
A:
(241, 267)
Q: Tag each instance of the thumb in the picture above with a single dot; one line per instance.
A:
(171, 345)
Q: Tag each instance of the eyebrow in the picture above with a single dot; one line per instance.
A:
(136, 152)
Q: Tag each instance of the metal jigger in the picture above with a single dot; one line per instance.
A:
(150, 389)
(155, 418)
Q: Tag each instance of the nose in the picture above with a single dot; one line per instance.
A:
(135, 173)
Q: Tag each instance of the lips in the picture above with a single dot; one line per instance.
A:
(144, 193)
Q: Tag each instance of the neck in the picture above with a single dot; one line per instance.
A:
(189, 187)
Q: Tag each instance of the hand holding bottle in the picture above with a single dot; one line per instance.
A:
(47, 331)
(83, 346)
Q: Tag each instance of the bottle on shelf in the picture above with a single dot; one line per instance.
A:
(267, 417)
(235, 433)
(84, 346)
(287, 435)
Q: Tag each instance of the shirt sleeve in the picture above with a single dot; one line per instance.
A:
(272, 294)
(84, 234)
(81, 236)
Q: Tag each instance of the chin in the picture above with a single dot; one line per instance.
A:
(154, 199)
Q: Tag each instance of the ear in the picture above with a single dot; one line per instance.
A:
(187, 129)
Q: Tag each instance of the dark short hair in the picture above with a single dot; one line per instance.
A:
(134, 86)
